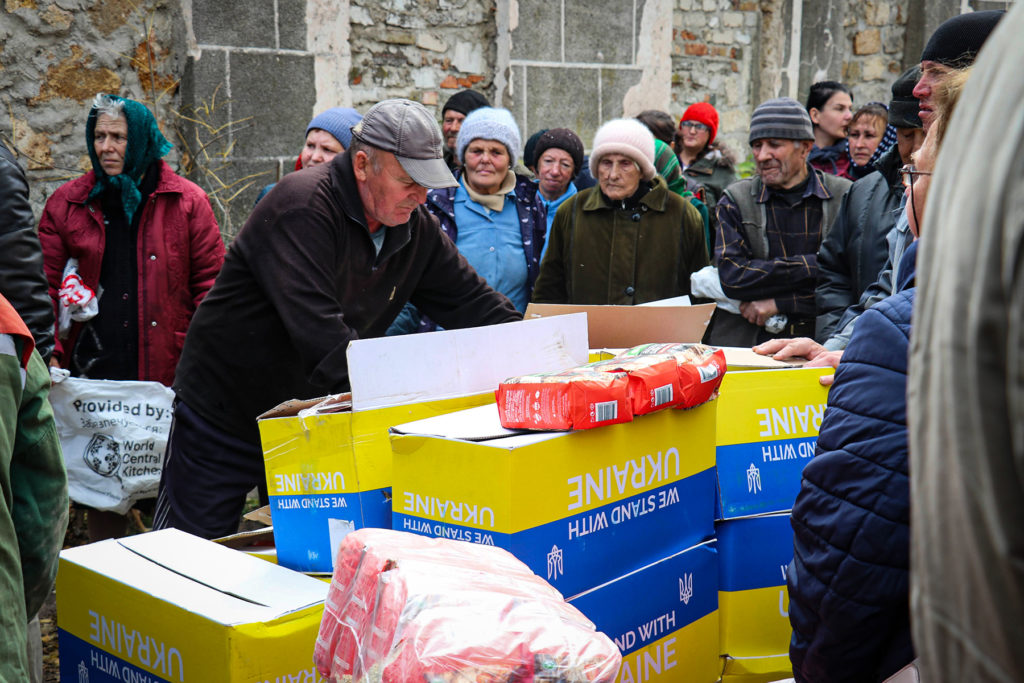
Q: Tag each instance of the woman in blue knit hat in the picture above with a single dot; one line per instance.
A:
(147, 245)
(327, 135)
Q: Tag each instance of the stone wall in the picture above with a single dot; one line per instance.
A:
(234, 84)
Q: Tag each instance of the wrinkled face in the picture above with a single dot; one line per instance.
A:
(554, 172)
(487, 163)
(932, 73)
(618, 176)
(918, 185)
(320, 148)
(110, 140)
(782, 164)
(388, 193)
(694, 134)
(864, 138)
(908, 141)
(835, 116)
(450, 125)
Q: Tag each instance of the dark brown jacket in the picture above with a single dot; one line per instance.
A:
(600, 253)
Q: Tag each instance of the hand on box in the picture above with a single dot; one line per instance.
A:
(802, 347)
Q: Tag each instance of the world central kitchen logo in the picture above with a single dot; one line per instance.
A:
(103, 455)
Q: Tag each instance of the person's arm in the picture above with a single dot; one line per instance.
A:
(206, 247)
(834, 293)
(22, 279)
(450, 291)
(55, 257)
(39, 485)
(551, 286)
(747, 278)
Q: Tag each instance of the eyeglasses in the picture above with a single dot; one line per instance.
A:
(907, 174)
(694, 125)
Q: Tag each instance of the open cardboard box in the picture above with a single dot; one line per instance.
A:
(626, 326)
(169, 606)
(328, 461)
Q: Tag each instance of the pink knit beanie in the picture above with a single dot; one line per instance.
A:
(628, 137)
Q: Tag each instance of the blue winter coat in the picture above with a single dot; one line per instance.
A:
(849, 579)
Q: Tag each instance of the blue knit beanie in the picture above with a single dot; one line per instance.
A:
(489, 123)
(338, 122)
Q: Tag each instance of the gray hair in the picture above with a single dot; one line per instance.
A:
(106, 105)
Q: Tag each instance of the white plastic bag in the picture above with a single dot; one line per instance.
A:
(114, 434)
(77, 302)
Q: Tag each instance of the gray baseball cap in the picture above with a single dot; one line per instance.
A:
(407, 130)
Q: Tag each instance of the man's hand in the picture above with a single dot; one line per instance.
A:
(757, 312)
(802, 347)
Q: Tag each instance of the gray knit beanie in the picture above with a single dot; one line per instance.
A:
(782, 117)
(489, 123)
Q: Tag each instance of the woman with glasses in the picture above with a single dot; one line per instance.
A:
(703, 159)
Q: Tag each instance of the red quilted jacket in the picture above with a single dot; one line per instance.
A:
(180, 252)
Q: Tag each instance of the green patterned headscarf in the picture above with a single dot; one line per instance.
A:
(146, 144)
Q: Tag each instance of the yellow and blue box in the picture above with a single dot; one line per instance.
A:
(328, 462)
(768, 424)
(663, 617)
(167, 606)
(329, 473)
(580, 508)
(754, 556)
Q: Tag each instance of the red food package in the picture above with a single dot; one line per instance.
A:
(404, 608)
(701, 368)
(653, 380)
(580, 398)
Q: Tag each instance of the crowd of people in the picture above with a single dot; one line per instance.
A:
(392, 224)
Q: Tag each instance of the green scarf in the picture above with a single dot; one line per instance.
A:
(146, 144)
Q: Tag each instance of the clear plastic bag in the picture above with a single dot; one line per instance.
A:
(403, 607)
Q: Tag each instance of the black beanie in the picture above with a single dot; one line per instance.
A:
(529, 150)
(956, 41)
(465, 101)
(564, 139)
(904, 106)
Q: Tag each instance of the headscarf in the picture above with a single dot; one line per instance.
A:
(146, 144)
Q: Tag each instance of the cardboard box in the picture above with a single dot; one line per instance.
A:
(580, 508)
(625, 326)
(768, 424)
(167, 606)
(754, 555)
(663, 617)
(328, 463)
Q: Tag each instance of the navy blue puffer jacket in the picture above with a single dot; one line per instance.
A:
(849, 579)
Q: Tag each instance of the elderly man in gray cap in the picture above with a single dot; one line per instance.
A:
(330, 256)
(769, 229)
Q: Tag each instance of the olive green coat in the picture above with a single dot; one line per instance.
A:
(601, 253)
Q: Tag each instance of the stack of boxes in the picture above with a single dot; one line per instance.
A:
(618, 519)
(767, 428)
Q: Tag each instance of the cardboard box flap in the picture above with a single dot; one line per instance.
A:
(335, 403)
(626, 326)
(391, 371)
(227, 571)
(474, 424)
(744, 357)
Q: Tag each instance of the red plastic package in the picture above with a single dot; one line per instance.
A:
(653, 380)
(403, 607)
(579, 398)
(701, 368)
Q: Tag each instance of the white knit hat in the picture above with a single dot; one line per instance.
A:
(628, 137)
(489, 123)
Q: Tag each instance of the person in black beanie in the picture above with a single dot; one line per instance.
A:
(953, 45)
(452, 115)
(558, 158)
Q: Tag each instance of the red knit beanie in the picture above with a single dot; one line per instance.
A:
(702, 112)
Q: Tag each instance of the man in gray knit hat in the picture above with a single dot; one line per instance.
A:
(769, 230)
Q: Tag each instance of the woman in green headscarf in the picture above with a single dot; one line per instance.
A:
(146, 243)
